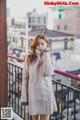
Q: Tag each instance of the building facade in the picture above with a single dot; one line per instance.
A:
(36, 20)
(16, 32)
(68, 21)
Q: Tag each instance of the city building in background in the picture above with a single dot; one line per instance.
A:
(36, 20)
(17, 32)
(68, 20)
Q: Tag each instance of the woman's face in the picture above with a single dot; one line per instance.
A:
(42, 45)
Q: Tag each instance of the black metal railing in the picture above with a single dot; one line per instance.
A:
(14, 90)
(67, 97)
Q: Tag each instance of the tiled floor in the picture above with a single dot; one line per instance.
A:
(15, 117)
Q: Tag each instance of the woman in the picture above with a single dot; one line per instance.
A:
(37, 72)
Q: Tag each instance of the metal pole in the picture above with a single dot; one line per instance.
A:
(3, 57)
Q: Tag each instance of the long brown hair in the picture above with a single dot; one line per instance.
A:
(35, 42)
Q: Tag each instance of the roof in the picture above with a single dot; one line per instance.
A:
(48, 33)
(75, 72)
(78, 37)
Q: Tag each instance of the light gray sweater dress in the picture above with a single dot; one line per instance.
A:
(40, 91)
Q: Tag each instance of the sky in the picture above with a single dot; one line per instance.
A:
(20, 7)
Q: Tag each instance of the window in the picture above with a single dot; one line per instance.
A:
(39, 19)
(65, 27)
(60, 16)
(29, 43)
(14, 39)
(29, 19)
(34, 20)
(58, 27)
(61, 10)
(65, 43)
(13, 21)
(24, 26)
(22, 42)
(44, 19)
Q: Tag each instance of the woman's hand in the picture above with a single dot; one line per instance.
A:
(38, 52)
(46, 49)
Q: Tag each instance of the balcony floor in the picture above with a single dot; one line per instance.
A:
(16, 117)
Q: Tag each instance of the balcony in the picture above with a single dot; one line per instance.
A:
(68, 107)
(67, 97)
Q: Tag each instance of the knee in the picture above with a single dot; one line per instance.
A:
(35, 117)
(44, 117)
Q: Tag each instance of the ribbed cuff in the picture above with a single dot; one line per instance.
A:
(46, 55)
(46, 50)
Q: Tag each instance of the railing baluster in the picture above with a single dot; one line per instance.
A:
(68, 104)
(21, 84)
(74, 104)
(18, 89)
(61, 99)
(15, 88)
(24, 112)
(56, 92)
(9, 83)
(12, 85)
(21, 110)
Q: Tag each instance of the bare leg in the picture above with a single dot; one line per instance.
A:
(44, 117)
(35, 117)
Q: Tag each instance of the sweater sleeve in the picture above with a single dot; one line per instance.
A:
(25, 79)
(48, 67)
